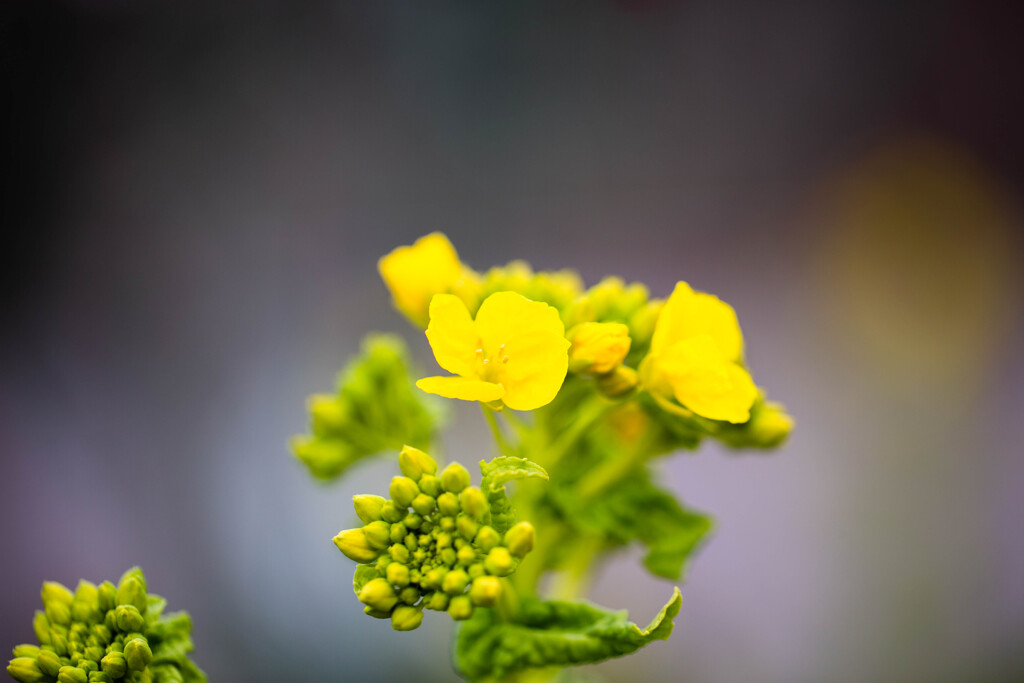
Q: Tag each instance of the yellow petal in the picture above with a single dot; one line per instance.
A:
(452, 335)
(462, 388)
(506, 315)
(416, 273)
(533, 368)
(688, 313)
(706, 382)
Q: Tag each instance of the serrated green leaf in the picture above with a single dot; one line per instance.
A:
(637, 510)
(375, 409)
(553, 633)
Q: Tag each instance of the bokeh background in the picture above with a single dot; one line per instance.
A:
(197, 196)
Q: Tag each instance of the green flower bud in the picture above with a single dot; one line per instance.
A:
(100, 677)
(128, 618)
(519, 539)
(444, 540)
(353, 543)
(410, 595)
(87, 665)
(618, 383)
(499, 562)
(434, 578)
(56, 592)
(448, 504)
(474, 503)
(436, 601)
(406, 618)
(454, 478)
(137, 654)
(26, 650)
(398, 532)
(378, 535)
(368, 508)
(403, 490)
(72, 674)
(376, 613)
(390, 513)
(455, 582)
(467, 527)
(107, 596)
(94, 653)
(117, 645)
(326, 413)
(446, 524)
(487, 538)
(460, 607)
(41, 626)
(114, 664)
(413, 520)
(466, 556)
(448, 556)
(411, 542)
(414, 463)
(430, 485)
(49, 663)
(82, 611)
(399, 553)
(476, 570)
(424, 504)
(26, 670)
(485, 591)
(379, 595)
(770, 425)
(397, 575)
(87, 592)
(58, 612)
(59, 641)
(131, 591)
(382, 563)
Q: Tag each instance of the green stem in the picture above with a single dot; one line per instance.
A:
(566, 440)
(600, 478)
(499, 437)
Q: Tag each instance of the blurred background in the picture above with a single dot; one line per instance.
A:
(197, 196)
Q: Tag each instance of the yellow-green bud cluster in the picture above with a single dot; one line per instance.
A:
(557, 288)
(106, 633)
(430, 546)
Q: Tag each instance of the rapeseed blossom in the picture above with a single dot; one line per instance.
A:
(416, 273)
(599, 348)
(696, 355)
(515, 351)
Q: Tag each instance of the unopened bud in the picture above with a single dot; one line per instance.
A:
(173, 676)
(413, 520)
(397, 574)
(414, 463)
(448, 556)
(72, 674)
(56, 592)
(403, 490)
(619, 383)
(378, 594)
(499, 562)
(486, 538)
(25, 650)
(424, 504)
(770, 425)
(519, 539)
(474, 503)
(390, 513)
(84, 612)
(326, 413)
(476, 570)
(86, 591)
(460, 607)
(399, 553)
(49, 663)
(406, 618)
(129, 619)
(101, 633)
(94, 653)
(41, 626)
(353, 543)
(58, 612)
(378, 535)
(410, 595)
(598, 347)
(455, 582)
(132, 591)
(137, 654)
(485, 591)
(26, 670)
(431, 485)
(454, 478)
(107, 595)
(434, 578)
(448, 504)
(368, 508)
(376, 613)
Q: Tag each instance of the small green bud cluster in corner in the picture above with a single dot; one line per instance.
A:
(431, 546)
(106, 633)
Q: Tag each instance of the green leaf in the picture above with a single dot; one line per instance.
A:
(637, 510)
(553, 633)
(505, 469)
(375, 409)
(496, 474)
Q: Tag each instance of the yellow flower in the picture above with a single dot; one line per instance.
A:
(515, 350)
(599, 347)
(695, 357)
(416, 273)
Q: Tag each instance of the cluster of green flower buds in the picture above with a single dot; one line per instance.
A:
(106, 633)
(431, 546)
(557, 288)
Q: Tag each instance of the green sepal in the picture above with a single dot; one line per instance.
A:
(375, 409)
(553, 633)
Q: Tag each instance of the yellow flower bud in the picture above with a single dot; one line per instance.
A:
(485, 591)
(379, 595)
(599, 347)
(353, 543)
(487, 538)
(460, 607)
(619, 383)
(454, 478)
(519, 539)
(378, 535)
(403, 490)
(414, 463)
(406, 618)
(368, 508)
(473, 503)
(499, 562)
